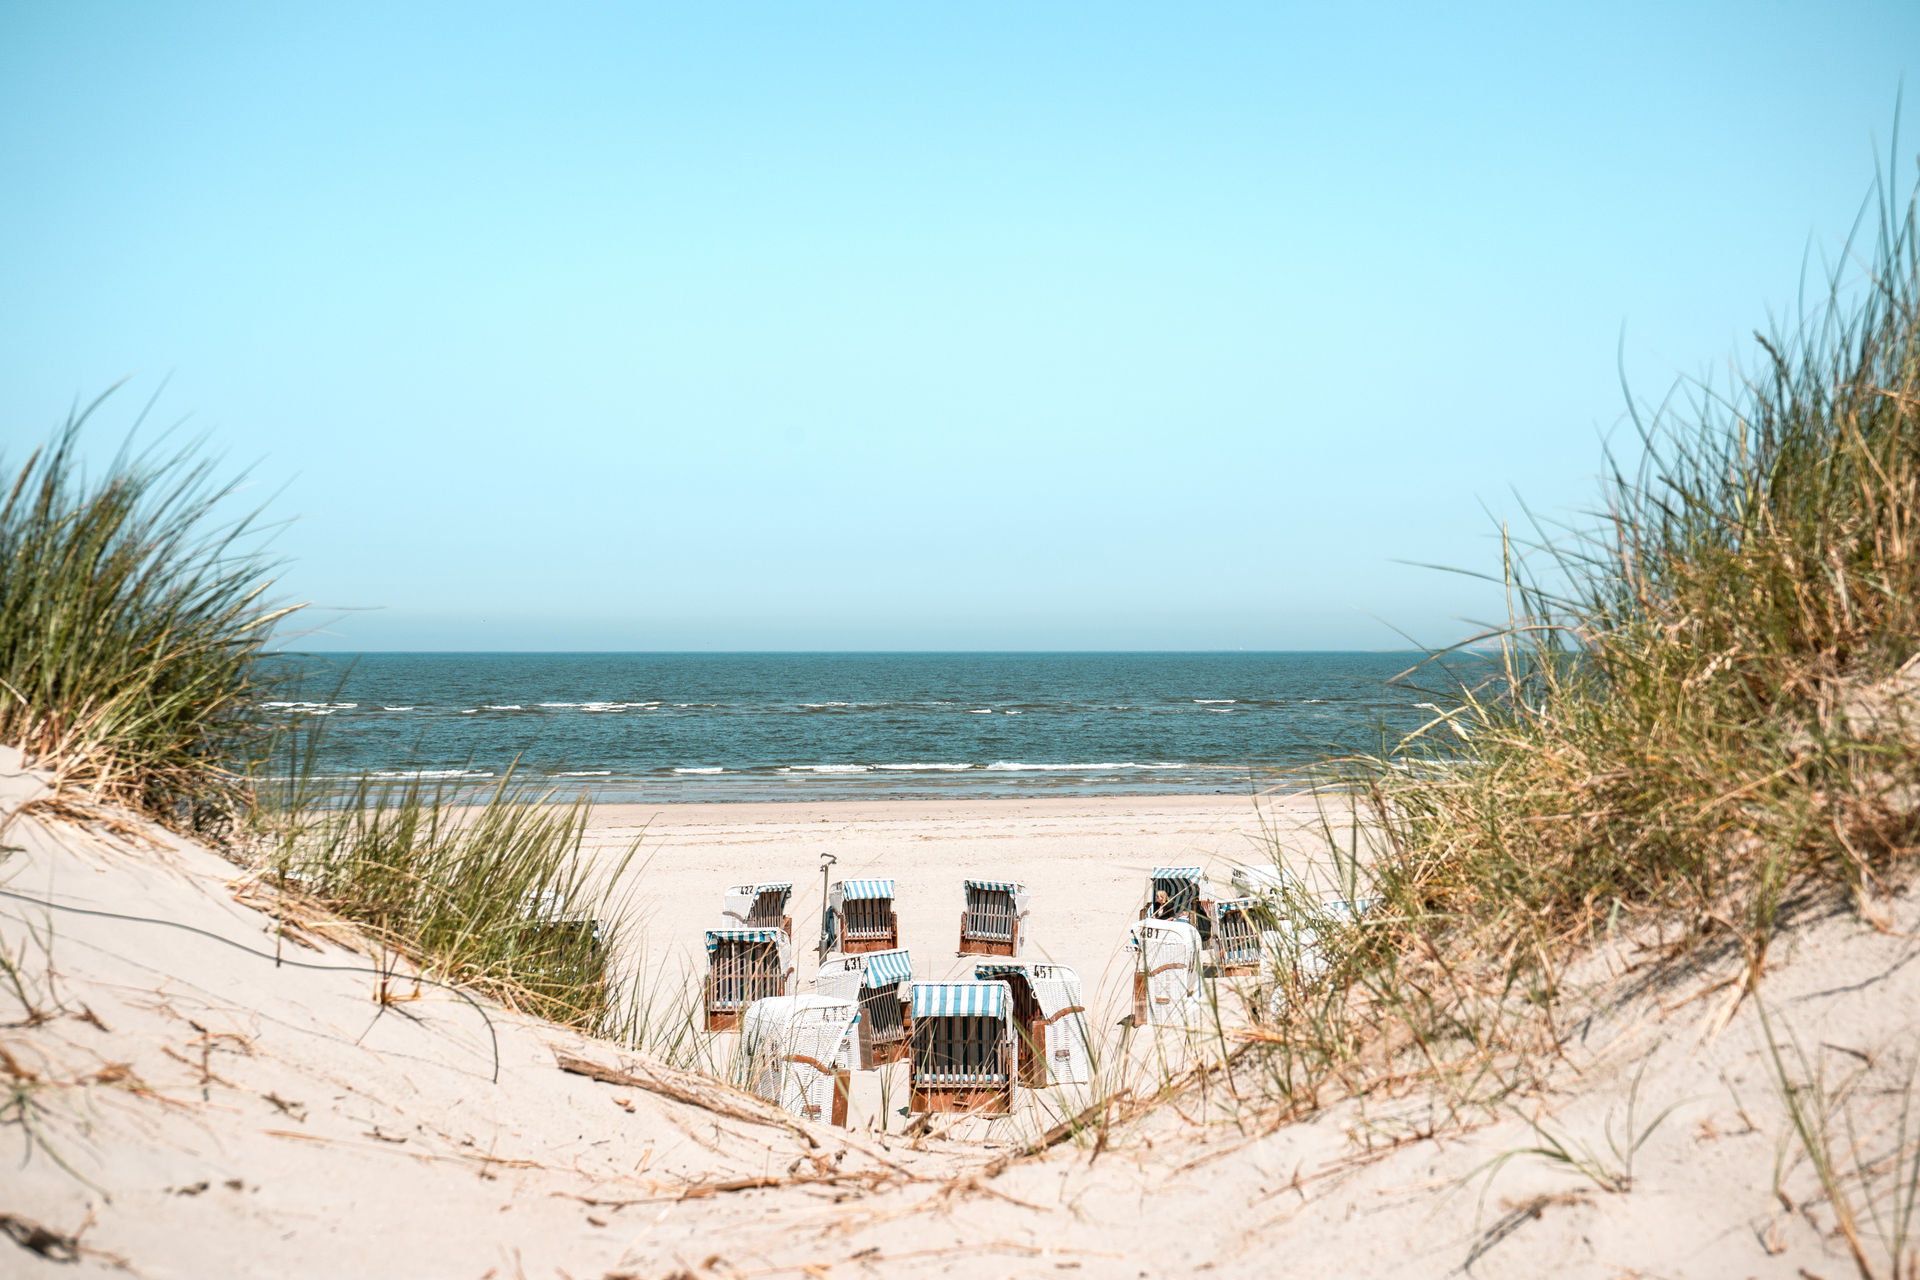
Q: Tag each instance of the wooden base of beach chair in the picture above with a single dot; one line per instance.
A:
(857, 946)
(985, 946)
(986, 1099)
(1237, 970)
(723, 1019)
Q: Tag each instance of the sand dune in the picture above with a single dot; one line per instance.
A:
(186, 1107)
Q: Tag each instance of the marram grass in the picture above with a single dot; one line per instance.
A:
(132, 612)
(1701, 715)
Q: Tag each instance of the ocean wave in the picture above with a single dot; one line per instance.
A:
(586, 773)
(821, 706)
(559, 704)
(509, 707)
(715, 769)
(923, 768)
(981, 711)
(396, 708)
(430, 773)
(1203, 701)
(1018, 766)
(829, 768)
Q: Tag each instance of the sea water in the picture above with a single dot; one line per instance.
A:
(782, 726)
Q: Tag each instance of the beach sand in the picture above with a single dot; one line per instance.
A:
(186, 1103)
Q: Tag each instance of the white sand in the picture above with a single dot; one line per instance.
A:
(224, 1117)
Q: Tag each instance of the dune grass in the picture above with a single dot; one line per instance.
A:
(132, 612)
(1700, 715)
(494, 889)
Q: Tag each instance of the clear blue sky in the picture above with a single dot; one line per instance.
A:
(910, 326)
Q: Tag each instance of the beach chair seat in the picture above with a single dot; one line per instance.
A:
(873, 980)
(993, 921)
(1049, 1021)
(797, 1052)
(860, 917)
(962, 1056)
(744, 966)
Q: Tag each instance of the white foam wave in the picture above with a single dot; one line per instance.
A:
(431, 773)
(712, 770)
(559, 704)
(832, 768)
(396, 708)
(924, 768)
(1019, 766)
(821, 706)
(514, 706)
(1010, 713)
(585, 773)
(981, 711)
(1203, 701)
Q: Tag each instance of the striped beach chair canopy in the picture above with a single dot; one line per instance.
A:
(1235, 904)
(1176, 873)
(770, 886)
(860, 890)
(997, 886)
(988, 972)
(888, 968)
(717, 936)
(959, 999)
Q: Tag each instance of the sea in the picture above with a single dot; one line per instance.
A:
(681, 727)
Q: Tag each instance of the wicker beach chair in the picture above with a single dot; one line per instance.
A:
(994, 920)
(860, 915)
(760, 906)
(1166, 979)
(797, 1052)
(872, 980)
(1236, 936)
(744, 965)
(1180, 893)
(963, 1056)
(1049, 1020)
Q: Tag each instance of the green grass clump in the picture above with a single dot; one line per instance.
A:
(1700, 714)
(494, 891)
(131, 617)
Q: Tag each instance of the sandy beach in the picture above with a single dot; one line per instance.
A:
(1084, 860)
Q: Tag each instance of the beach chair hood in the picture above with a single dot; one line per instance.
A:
(742, 898)
(1063, 1011)
(1169, 957)
(793, 1047)
(783, 943)
(1262, 881)
(842, 976)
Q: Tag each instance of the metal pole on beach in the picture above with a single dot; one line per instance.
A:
(826, 860)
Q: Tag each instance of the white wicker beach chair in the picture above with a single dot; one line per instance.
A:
(860, 916)
(1049, 1020)
(744, 965)
(994, 920)
(963, 1056)
(1166, 981)
(760, 906)
(873, 980)
(797, 1052)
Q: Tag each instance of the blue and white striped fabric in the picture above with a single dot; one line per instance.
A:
(995, 886)
(717, 936)
(1236, 904)
(1176, 873)
(782, 886)
(959, 999)
(886, 968)
(988, 972)
(856, 890)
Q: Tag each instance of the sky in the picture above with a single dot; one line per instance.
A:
(880, 326)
